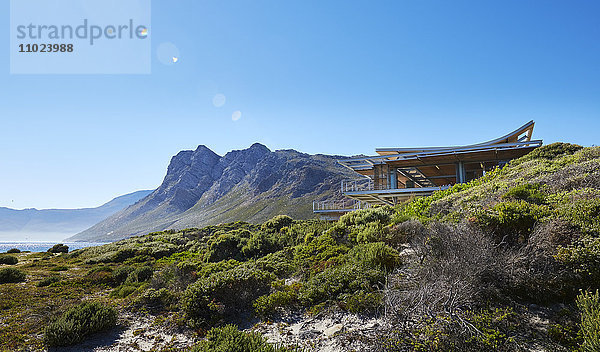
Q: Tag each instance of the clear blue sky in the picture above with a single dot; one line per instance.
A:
(334, 77)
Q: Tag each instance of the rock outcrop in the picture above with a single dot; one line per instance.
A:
(202, 188)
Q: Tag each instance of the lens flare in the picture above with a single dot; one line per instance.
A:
(168, 54)
(236, 115)
(219, 100)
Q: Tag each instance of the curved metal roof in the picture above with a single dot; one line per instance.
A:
(518, 140)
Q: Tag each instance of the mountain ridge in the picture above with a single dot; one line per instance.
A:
(56, 224)
(203, 188)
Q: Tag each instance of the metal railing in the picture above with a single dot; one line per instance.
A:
(364, 185)
(339, 205)
(357, 185)
(349, 186)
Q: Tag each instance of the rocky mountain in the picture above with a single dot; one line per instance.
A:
(56, 224)
(202, 188)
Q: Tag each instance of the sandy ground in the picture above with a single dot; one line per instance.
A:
(334, 332)
(135, 333)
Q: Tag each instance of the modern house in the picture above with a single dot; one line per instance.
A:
(398, 174)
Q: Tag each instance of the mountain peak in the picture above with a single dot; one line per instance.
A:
(251, 184)
(203, 149)
(259, 146)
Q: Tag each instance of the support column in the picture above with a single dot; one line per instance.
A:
(393, 178)
(461, 175)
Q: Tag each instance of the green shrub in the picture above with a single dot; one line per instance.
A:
(420, 207)
(59, 248)
(494, 327)
(224, 295)
(565, 335)
(260, 244)
(554, 150)
(8, 259)
(78, 322)
(11, 275)
(230, 339)
(371, 232)
(100, 275)
(60, 268)
(121, 255)
(280, 263)
(362, 302)
(285, 296)
(13, 251)
(277, 223)
(141, 274)
(512, 221)
(331, 283)
(156, 299)
(376, 255)
(589, 305)
(226, 246)
(583, 258)
(528, 192)
(583, 213)
(48, 281)
(124, 290)
(319, 252)
(365, 216)
(121, 273)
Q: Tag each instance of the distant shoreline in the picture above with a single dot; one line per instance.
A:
(43, 246)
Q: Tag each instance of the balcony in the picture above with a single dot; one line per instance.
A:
(367, 191)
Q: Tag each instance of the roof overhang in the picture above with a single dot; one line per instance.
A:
(510, 146)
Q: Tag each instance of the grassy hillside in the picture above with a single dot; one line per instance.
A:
(509, 262)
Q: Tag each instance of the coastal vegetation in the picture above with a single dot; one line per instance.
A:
(471, 268)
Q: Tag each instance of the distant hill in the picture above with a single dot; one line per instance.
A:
(203, 188)
(57, 224)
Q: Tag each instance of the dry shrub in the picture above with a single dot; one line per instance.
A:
(458, 267)
(441, 301)
(535, 274)
(575, 176)
(405, 232)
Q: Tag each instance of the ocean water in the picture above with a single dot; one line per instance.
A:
(43, 246)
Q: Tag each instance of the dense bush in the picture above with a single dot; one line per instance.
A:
(59, 248)
(8, 259)
(100, 275)
(554, 150)
(11, 275)
(260, 244)
(589, 305)
(284, 296)
(230, 339)
(318, 252)
(161, 299)
(121, 273)
(78, 322)
(278, 222)
(366, 216)
(376, 255)
(48, 281)
(140, 274)
(175, 277)
(583, 258)
(528, 192)
(225, 295)
(512, 221)
(13, 251)
(226, 246)
(582, 209)
(333, 282)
